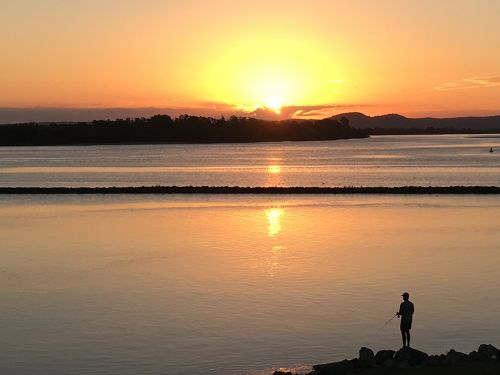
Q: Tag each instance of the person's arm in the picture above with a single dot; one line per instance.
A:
(400, 312)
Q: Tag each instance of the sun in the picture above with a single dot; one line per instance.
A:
(274, 103)
(269, 71)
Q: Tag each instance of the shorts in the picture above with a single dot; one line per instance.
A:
(405, 326)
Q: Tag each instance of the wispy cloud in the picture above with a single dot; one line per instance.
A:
(212, 109)
(300, 112)
(315, 111)
(470, 83)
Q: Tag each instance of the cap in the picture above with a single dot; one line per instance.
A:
(405, 294)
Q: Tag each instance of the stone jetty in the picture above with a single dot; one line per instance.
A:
(405, 190)
(484, 360)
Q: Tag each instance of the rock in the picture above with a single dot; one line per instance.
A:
(390, 363)
(453, 357)
(435, 360)
(366, 356)
(414, 357)
(475, 356)
(384, 355)
(403, 364)
(488, 351)
(282, 373)
(336, 368)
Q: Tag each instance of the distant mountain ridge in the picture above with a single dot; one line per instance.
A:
(395, 121)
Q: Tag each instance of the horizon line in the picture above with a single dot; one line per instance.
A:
(42, 114)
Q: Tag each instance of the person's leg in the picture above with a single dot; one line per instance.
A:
(408, 337)
(403, 336)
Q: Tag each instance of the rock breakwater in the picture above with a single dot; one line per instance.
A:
(409, 190)
(484, 360)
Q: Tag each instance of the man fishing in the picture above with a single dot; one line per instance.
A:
(405, 312)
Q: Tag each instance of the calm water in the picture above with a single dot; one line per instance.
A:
(243, 284)
(377, 161)
(239, 285)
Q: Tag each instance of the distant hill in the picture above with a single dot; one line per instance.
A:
(393, 122)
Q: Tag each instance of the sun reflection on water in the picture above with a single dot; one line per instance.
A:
(274, 169)
(278, 249)
(274, 216)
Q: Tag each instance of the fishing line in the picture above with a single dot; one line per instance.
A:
(387, 323)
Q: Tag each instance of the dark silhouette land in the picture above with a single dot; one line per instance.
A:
(397, 124)
(199, 129)
(183, 129)
(484, 360)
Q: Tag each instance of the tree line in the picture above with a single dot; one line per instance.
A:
(183, 129)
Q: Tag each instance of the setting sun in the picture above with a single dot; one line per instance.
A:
(274, 104)
(271, 70)
(223, 58)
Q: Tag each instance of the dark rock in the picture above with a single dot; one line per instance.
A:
(414, 357)
(282, 373)
(453, 357)
(434, 360)
(403, 364)
(366, 356)
(384, 355)
(488, 351)
(336, 368)
(390, 363)
(475, 356)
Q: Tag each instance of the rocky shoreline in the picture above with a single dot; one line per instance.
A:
(485, 360)
(410, 190)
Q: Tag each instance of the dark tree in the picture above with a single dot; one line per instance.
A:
(344, 121)
(183, 129)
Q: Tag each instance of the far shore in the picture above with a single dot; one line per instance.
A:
(400, 190)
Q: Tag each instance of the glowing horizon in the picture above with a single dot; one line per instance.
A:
(306, 59)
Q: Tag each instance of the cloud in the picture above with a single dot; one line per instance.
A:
(470, 83)
(212, 109)
(61, 114)
(319, 111)
(299, 112)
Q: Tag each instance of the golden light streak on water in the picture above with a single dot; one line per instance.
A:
(274, 216)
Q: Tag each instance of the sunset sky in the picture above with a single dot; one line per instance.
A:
(297, 58)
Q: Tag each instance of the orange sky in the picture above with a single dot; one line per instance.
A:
(313, 57)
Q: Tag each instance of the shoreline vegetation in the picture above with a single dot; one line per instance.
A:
(188, 129)
(183, 129)
(485, 360)
(400, 190)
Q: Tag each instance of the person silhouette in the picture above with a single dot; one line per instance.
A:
(406, 310)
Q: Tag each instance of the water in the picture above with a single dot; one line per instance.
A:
(435, 160)
(239, 284)
(244, 284)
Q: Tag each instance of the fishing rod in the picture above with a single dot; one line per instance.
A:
(387, 323)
